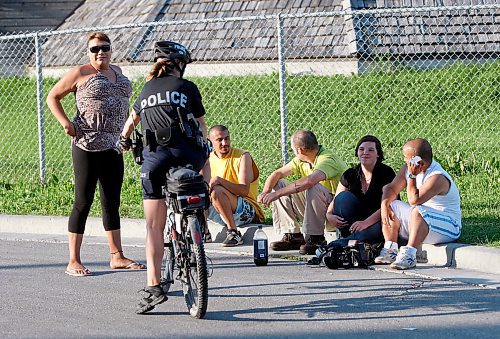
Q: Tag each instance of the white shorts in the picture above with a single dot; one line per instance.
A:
(244, 214)
(442, 227)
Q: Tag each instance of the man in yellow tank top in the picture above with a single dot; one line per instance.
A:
(234, 186)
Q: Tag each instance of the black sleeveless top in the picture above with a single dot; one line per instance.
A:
(370, 201)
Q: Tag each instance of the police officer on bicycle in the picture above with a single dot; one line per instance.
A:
(171, 113)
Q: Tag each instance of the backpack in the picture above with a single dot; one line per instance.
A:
(344, 253)
(181, 184)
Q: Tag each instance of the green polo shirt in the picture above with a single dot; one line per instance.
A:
(327, 162)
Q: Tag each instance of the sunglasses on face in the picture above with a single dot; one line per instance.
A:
(96, 49)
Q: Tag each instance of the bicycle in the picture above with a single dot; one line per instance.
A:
(187, 199)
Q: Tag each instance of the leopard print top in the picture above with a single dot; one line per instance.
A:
(102, 108)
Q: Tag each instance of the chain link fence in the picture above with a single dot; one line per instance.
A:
(394, 73)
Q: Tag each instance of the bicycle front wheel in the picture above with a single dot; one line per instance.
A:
(195, 282)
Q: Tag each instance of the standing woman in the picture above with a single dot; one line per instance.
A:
(355, 211)
(102, 95)
(165, 96)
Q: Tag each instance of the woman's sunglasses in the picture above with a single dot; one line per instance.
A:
(96, 49)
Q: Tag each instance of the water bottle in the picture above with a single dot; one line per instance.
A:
(260, 254)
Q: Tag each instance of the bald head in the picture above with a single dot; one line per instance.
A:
(305, 139)
(420, 147)
(218, 128)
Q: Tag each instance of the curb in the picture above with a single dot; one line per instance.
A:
(453, 255)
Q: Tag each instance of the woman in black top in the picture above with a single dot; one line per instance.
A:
(355, 211)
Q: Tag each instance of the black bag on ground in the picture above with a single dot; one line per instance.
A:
(349, 254)
(184, 182)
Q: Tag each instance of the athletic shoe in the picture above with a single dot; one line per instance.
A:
(150, 297)
(314, 262)
(233, 238)
(387, 256)
(404, 260)
(290, 241)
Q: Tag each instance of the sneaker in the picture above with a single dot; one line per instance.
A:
(314, 262)
(312, 244)
(387, 256)
(233, 238)
(150, 297)
(404, 260)
(289, 242)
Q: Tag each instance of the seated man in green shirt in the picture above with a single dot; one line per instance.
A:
(306, 199)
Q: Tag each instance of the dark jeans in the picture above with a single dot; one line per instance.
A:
(348, 206)
(90, 168)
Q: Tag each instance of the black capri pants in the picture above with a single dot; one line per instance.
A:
(103, 167)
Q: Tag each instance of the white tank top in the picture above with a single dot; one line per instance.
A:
(448, 203)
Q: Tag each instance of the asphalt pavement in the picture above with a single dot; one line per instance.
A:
(477, 265)
(285, 299)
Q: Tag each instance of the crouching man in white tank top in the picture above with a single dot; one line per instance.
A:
(432, 214)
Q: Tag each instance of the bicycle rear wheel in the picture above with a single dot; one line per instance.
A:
(167, 264)
(195, 282)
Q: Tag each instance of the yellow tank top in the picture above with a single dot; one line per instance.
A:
(228, 168)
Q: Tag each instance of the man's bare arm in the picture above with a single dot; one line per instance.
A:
(245, 178)
(390, 193)
(297, 186)
(267, 196)
(302, 184)
(435, 185)
(273, 179)
(392, 189)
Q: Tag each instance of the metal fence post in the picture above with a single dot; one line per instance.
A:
(282, 79)
(39, 101)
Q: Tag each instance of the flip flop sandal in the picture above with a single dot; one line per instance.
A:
(129, 266)
(78, 272)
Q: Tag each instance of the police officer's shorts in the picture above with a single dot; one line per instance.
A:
(156, 165)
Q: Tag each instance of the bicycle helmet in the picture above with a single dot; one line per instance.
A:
(171, 50)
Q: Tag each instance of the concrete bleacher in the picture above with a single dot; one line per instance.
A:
(247, 231)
